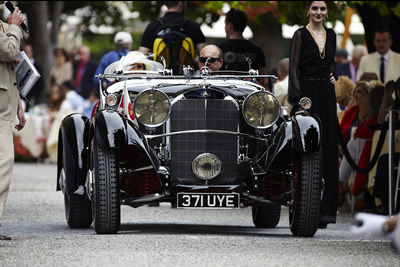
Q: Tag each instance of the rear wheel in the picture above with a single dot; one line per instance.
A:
(266, 216)
(106, 199)
(78, 209)
(304, 211)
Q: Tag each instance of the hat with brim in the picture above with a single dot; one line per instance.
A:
(135, 57)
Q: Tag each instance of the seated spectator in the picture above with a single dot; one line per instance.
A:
(381, 181)
(56, 98)
(344, 89)
(357, 112)
(90, 103)
(390, 88)
(367, 94)
(71, 102)
(369, 76)
(350, 68)
(61, 71)
(341, 56)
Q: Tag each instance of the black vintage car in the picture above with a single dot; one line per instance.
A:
(209, 141)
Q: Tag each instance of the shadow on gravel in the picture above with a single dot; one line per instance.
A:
(185, 229)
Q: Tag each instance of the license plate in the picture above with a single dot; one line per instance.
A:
(208, 200)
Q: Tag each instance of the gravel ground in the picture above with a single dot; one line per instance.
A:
(161, 236)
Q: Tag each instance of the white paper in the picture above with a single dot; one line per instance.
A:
(26, 74)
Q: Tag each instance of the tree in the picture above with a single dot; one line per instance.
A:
(43, 40)
(376, 14)
(46, 18)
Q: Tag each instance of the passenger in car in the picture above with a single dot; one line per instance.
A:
(135, 61)
(137, 66)
(211, 54)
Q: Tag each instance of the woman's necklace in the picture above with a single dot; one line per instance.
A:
(320, 42)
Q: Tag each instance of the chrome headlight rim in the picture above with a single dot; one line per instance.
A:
(138, 117)
(273, 121)
(202, 156)
(112, 100)
(305, 103)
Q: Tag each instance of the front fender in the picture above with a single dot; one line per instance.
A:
(262, 161)
(72, 152)
(306, 132)
(110, 128)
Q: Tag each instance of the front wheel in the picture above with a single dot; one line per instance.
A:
(106, 199)
(304, 211)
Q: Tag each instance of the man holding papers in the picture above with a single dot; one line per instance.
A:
(10, 102)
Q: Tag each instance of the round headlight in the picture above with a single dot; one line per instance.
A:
(111, 100)
(305, 103)
(206, 166)
(261, 109)
(152, 107)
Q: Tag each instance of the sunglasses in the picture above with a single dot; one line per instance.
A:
(210, 59)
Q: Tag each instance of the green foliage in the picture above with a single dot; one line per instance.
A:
(378, 5)
(295, 12)
(151, 10)
(99, 44)
(396, 10)
(214, 5)
(108, 13)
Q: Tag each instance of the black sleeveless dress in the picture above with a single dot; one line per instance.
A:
(309, 76)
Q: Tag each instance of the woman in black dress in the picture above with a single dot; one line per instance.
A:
(311, 74)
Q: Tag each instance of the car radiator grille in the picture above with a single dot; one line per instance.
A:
(202, 114)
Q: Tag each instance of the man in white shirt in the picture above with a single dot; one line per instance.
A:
(281, 87)
(384, 62)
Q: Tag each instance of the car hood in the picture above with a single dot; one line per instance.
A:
(173, 87)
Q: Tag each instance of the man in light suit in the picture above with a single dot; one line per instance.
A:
(391, 60)
(10, 101)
